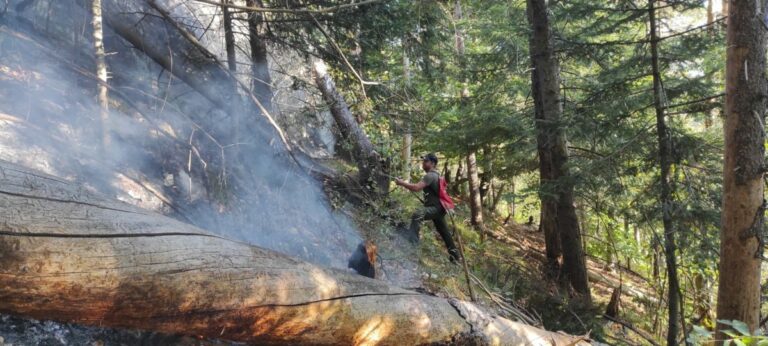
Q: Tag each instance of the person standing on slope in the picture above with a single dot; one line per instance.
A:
(432, 209)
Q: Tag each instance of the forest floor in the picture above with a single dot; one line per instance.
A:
(508, 268)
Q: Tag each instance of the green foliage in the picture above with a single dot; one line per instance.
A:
(738, 334)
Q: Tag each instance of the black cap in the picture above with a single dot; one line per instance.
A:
(431, 157)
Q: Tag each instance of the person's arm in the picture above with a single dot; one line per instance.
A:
(413, 187)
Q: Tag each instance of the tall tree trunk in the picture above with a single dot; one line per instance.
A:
(229, 37)
(101, 73)
(741, 239)
(70, 255)
(261, 81)
(405, 152)
(553, 159)
(475, 202)
(544, 136)
(667, 204)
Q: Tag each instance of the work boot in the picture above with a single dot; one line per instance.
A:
(454, 256)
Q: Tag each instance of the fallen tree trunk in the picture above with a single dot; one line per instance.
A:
(370, 164)
(69, 255)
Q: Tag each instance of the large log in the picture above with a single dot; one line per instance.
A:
(70, 255)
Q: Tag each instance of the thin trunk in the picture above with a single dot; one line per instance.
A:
(260, 79)
(405, 153)
(475, 203)
(229, 37)
(684, 328)
(101, 73)
(456, 189)
(612, 255)
(514, 200)
(584, 227)
(557, 204)
(486, 180)
(665, 160)
(486, 187)
(447, 172)
(656, 264)
(229, 44)
(710, 18)
(636, 231)
(491, 196)
(741, 241)
(475, 207)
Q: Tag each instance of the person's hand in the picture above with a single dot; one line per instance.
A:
(399, 181)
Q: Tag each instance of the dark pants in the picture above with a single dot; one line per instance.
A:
(437, 215)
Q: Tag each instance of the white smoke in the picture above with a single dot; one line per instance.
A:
(163, 156)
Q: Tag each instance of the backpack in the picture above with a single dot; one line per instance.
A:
(445, 199)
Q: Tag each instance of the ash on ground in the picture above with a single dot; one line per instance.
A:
(28, 332)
